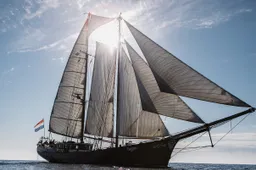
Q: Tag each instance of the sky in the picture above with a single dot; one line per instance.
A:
(217, 38)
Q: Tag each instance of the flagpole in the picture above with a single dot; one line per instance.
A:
(44, 130)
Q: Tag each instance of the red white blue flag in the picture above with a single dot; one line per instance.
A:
(39, 125)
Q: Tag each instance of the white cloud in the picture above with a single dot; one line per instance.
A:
(58, 44)
(4, 78)
(236, 146)
(72, 20)
(62, 59)
(198, 14)
(43, 7)
(27, 6)
(235, 141)
(8, 71)
(27, 40)
(12, 13)
(81, 3)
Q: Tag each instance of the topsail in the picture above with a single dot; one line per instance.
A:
(68, 109)
(174, 76)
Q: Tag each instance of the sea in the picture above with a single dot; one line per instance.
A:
(40, 165)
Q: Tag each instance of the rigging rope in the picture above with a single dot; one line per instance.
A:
(188, 144)
(231, 129)
(201, 147)
(195, 148)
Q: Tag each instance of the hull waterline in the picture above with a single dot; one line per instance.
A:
(152, 154)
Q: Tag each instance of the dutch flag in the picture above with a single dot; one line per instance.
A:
(39, 125)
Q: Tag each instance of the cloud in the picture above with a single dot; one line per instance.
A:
(175, 14)
(8, 71)
(72, 20)
(58, 44)
(233, 141)
(199, 14)
(27, 40)
(43, 7)
(4, 77)
(62, 59)
(81, 3)
(240, 146)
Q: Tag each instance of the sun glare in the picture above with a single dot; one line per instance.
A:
(107, 34)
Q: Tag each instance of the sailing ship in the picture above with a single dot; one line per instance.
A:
(127, 97)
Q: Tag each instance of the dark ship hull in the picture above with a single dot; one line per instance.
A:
(151, 154)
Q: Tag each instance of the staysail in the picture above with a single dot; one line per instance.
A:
(100, 111)
(165, 104)
(174, 76)
(68, 109)
(133, 121)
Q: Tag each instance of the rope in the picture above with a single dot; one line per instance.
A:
(231, 129)
(197, 148)
(201, 147)
(188, 144)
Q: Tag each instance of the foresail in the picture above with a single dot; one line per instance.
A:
(97, 21)
(153, 100)
(174, 76)
(68, 109)
(133, 120)
(100, 111)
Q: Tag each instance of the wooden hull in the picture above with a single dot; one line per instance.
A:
(152, 154)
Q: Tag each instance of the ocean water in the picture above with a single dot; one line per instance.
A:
(39, 165)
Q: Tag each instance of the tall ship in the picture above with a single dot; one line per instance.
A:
(127, 97)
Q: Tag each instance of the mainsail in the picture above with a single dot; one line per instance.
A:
(100, 111)
(133, 121)
(174, 76)
(67, 117)
(153, 99)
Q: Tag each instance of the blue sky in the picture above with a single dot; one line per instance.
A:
(217, 38)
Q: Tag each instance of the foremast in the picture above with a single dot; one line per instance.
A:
(68, 112)
(118, 58)
(85, 84)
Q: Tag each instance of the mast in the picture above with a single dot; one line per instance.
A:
(68, 112)
(118, 58)
(84, 99)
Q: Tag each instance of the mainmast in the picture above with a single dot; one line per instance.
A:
(118, 58)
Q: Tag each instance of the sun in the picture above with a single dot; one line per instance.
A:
(107, 34)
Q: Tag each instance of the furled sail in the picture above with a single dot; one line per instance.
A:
(133, 121)
(68, 109)
(100, 111)
(174, 76)
(153, 100)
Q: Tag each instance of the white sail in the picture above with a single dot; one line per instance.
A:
(68, 109)
(174, 76)
(100, 111)
(133, 121)
(156, 101)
